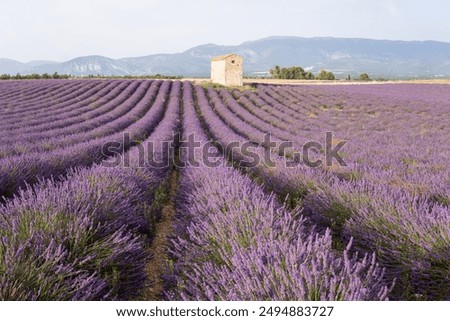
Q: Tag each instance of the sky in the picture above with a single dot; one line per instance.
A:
(61, 30)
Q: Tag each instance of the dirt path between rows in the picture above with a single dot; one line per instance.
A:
(158, 249)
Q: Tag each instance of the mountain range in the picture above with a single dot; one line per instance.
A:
(342, 56)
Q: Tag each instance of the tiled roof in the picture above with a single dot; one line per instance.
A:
(223, 57)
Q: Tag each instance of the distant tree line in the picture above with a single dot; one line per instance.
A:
(67, 76)
(294, 72)
(35, 76)
(297, 72)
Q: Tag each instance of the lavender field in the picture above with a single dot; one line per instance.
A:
(158, 189)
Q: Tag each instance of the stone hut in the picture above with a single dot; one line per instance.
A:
(227, 70)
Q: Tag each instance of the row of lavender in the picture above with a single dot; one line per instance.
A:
(28, 111)
(85, 237)
(16, 93)
(88, 105)
(113, 116)
(56, 198)
(220, 252)
(136, 110)
(391, 129)
(44, 110)
(234, 242)
(410, 232)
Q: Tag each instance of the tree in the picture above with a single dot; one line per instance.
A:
(325, 75)
(309, 75)
(294, 72)
(364, 77)
(34, 76)
(276, 72)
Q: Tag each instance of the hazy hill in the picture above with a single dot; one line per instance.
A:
(343, 56)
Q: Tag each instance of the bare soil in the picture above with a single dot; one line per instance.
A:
(158, 248)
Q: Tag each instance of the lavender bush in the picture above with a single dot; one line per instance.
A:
(85, 237)
(77, 240)
(365, 215)
(238, 243)
(75, 220)
(17, 170)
